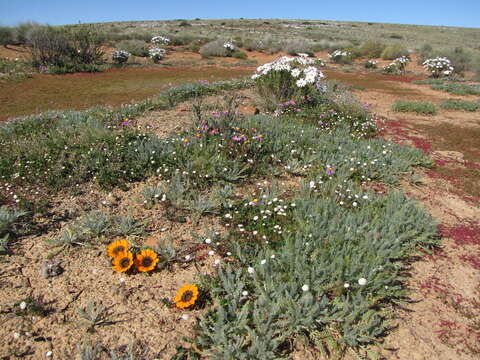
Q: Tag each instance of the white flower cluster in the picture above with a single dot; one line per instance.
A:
(439, 66)
(160, 40)
(372, 62)
(229, 46)
(120, 56)
(298, 67)
(156, 54)
(403, 60)
(339, 54)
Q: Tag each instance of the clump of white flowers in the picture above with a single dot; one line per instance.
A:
(287, 81)
(401, 62)
(298, 69)
(120, 56)
(156, 54)
(439, 66)
(160, 40)
(339, 56)
(370, 64)
(229, 46)
(390, 69)
(397, 66)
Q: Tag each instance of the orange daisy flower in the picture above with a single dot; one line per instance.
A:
(116, 247)
(186, 296)
(123, 261)
(146, 260)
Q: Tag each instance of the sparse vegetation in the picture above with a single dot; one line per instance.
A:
(453, 104)
(419, 107)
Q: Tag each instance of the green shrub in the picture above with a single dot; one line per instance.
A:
(134, 47)
(372, 49)
(453, 104)
(460, 58)
(185, 39)
(23, 31)
(392, 52)
(75, 49)
(194, 47)
(370, 64)
(419, 107)
(458, 89)
(49, 46)
(341, 57)
(257, 44)
(285, 79)
(297, 46)
(428, 82)
(220, 48)
(86, 44)
(424, 53)
(330, 45)
(239, 55)
(6, 36)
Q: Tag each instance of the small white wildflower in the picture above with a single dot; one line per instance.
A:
(48, 353)
(187, 257)
(305, 287)
(217, 261)
(208, 241)
(23, 305)
(250, 270)
(263, 262)
(362, 281)
(346, 285)
(244, 293)
(211, 252)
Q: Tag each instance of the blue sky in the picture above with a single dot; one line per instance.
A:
(423, 12)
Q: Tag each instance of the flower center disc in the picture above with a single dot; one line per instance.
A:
(124, 262)
(186, 296)
(147, 261)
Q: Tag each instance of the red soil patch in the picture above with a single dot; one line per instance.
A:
(113, 87)
(467, 233)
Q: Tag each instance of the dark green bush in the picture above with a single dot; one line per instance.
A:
(72, 49)
(6, 36)
(23, 30)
